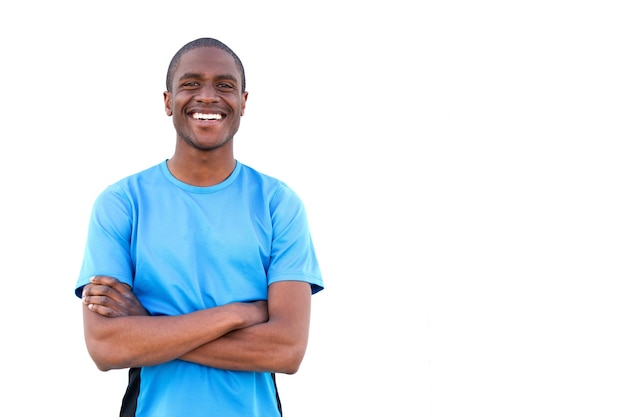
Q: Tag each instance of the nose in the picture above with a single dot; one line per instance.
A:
(207, 94)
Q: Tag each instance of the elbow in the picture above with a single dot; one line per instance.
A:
(291, 370)
(103, 366)
(107, 364)
(101, 363)
(103, 347)
(291, 360)
(105, 359)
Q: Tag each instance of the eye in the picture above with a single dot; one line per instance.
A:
(225, 86)
(191, 84)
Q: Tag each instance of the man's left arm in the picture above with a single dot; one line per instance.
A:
(277, 345)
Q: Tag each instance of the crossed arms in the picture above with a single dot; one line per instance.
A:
(263, 336)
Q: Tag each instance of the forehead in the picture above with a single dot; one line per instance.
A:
(207, 61)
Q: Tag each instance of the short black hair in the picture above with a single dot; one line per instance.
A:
(202, 43)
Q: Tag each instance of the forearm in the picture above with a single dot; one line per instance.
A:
(261, 348)
(135, 341)
(277, 345)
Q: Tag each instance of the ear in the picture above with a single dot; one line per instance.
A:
(167, 98)
(244, 99)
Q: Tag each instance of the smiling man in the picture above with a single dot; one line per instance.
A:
(198, 272)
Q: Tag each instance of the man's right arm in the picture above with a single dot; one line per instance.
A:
(116, 340)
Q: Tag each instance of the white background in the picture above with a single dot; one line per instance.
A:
(462, 164)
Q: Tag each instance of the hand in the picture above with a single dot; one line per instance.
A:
(109, 297)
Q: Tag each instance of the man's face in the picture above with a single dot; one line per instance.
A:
(206, 102)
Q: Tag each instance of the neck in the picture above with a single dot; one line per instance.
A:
(201, 172)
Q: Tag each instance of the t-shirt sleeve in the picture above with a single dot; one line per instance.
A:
(293, 255)
(108, 247)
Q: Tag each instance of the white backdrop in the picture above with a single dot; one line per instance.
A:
(462, 164)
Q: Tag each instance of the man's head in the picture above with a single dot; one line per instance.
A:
(199, 43)
(205, 95)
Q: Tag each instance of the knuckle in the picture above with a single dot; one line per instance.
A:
(87, 290)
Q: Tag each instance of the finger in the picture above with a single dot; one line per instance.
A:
(125, 307)
(111, 282)
(99, 300)
(103, 280)
(101, 291)
(86, 290)
(102, 310)
(108, 307)
(120, 293)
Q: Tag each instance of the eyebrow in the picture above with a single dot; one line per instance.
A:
(193, 75)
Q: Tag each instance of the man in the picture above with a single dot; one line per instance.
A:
(198, 272)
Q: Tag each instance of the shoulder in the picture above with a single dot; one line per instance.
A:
(283, 204)
(134, 180)
(130, 187)
(271, 186)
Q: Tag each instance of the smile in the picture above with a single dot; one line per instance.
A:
(205, 116)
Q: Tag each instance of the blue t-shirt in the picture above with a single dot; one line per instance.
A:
(184, 248)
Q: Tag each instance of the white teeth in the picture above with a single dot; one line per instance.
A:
(203, 116)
